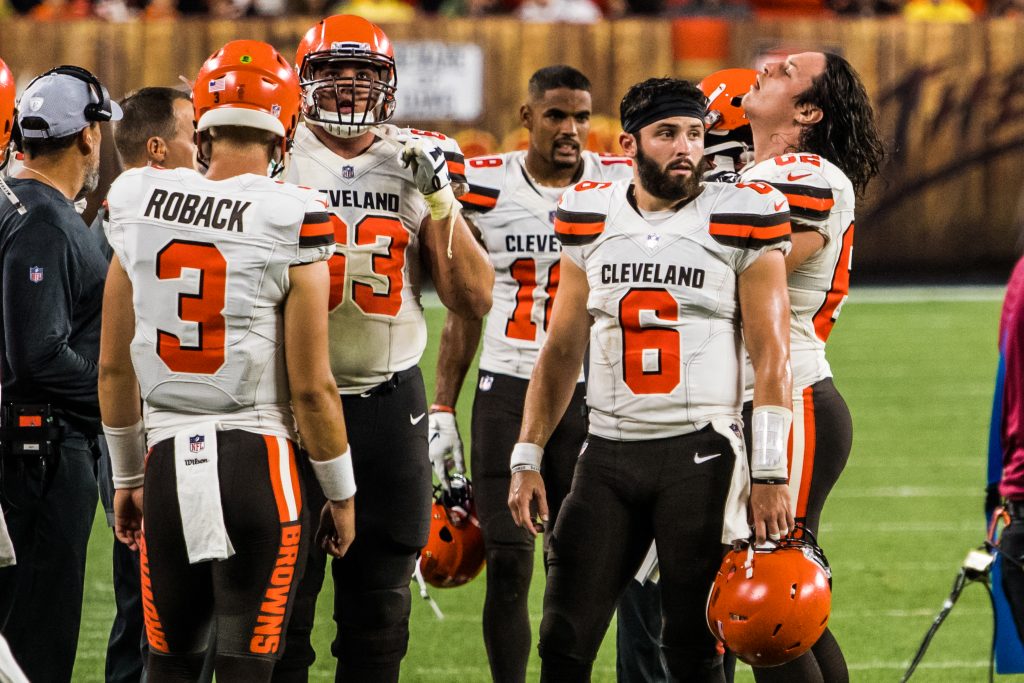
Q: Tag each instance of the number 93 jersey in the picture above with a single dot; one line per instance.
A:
(515, 217)
(666, 342)
(376, 318)
(208, 261)
(821, 199)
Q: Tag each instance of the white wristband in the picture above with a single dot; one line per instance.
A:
(770, 434)
(335, 476)
(127, 446)
(526, 456)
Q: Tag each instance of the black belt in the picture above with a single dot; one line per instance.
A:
(1015, 508)
(386, 387)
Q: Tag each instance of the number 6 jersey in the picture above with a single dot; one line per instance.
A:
(666, 343)
(514, 216)
(208, 261)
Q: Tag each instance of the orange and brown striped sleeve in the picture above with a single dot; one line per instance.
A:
(750, 231)
(317, 230)
(578, 227)
(808, 204)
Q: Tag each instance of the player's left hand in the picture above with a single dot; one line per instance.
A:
(128, 516)
(426, 159)
(445, 446)
(769, 507)
(337, 526)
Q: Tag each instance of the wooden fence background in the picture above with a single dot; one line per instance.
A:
(950, 99)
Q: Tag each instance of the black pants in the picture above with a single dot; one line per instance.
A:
(497, 416)
(248, 596)
(625, 494)
(41, 596)
(1011, 543)
(387, 430)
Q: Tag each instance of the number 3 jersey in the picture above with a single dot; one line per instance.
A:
(515, 218)
(665, 345)
(376, 319)
(821, 198)
(208, 261)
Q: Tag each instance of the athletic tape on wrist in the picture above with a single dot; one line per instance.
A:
(127, 446)
(336, 477)
(770, 431)
(442, 203)
(526, 456)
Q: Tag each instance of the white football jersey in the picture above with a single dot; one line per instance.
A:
(376, 321)
(515, 217)
(821, 198)
(209, 261)
(666, 346)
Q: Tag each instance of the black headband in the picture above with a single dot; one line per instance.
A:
(663, 109)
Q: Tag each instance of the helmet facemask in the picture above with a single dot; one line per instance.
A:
(370, 101)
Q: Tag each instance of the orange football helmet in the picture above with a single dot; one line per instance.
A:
(770, 604)
(246, 83)
(725, 90)
(345, 39)
(8, 96)
(454, 553)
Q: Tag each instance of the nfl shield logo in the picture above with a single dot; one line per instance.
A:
(348, 173)
(551, 217)
(652, 240)
(196, 443)
(485, 382)
(35, 274)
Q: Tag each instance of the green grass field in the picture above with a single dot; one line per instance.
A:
(918, 375)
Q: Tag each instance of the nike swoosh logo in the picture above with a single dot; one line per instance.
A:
(416, 420)
(435, 435)
(699, 459)
(779, 205)
(791, 177)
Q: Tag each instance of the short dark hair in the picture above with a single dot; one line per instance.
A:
(646, 94)
(41, 147)
(847, 134)
(243, 136)
(148, 112)
(556, 76)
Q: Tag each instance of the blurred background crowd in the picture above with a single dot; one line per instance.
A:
(571, 11)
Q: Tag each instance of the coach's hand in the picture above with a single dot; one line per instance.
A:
(445, 446)
(769, 507)
(337, 526)
(526, 487)
(128, 516)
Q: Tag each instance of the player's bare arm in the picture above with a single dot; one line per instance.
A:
(551, 386)
(764, 306)
(120, 404)
(460, 338)
(806, 243)
(464, 281)
(315, 395)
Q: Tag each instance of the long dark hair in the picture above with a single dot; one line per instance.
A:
(847, 134)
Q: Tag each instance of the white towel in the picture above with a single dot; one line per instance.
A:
(735, 526)
(202, 517)
(649, 570)
(10, 672)
(6, 546)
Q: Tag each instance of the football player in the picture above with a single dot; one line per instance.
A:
(214, 313)
(396, 220)
(511, 202)
(816, 141)
(664, 272)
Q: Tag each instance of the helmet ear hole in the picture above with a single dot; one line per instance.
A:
(446, 534)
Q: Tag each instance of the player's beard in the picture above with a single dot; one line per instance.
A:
(660, 183)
